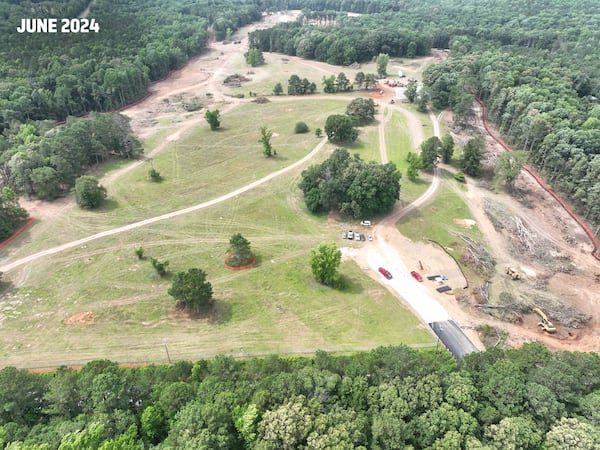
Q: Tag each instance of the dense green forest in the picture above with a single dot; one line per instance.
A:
(53, 75)
(389, 398)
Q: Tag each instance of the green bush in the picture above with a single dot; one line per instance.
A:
(301, 127)
(459, 176)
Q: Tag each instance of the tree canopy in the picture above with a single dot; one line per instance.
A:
(191, 290)
(89, 194)
(324, 262)
(389, 397)
(11, 214)
(350, 185)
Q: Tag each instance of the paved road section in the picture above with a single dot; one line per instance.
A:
(453, 338)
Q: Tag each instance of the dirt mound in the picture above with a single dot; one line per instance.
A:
(82, 318)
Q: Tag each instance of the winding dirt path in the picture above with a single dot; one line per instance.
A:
(142, 223)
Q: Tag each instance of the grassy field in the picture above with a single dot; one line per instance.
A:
(438, 220)
(275, 307)
(199, 166)
(398, 145)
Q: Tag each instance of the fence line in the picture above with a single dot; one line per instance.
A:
(541, 182)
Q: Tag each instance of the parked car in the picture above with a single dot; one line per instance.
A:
(370, 237)
(344, 235)
(350, 235)
(386, 273)
(365, 223)
(362, 237)
(416, 275)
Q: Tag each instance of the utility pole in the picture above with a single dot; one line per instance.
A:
(164, 341)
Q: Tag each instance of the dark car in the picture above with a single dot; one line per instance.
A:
(416, 275)
(386, 273)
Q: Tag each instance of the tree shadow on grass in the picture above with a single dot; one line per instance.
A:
(108, 205)
(347, 285)
(217, 313)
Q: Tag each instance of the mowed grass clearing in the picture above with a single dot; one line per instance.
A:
(200, 166)
(275, 307)
(441, 219)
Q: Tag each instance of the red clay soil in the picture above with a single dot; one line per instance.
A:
(247, 266)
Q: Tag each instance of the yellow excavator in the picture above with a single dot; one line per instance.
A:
(513, 273)
(546, 325)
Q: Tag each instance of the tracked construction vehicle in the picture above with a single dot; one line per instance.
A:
(513, 273)
(545, 324)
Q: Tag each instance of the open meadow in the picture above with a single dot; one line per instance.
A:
(100, 301)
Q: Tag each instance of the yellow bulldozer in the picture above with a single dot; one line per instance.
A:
(545, 324)
(513, 273)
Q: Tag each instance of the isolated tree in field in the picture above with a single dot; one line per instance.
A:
(213, 118)
(411, 91)
(429, 152)
(191, 290)
(278, 89)
(471, 158)
(155, 175)
(88, 193)
(300, 128)
(447, 148)
(342, 83)
(361, 109)
(339, 128)
(240, 252)
(265, 140)
(255, 57)
(359, 79)
(324, 262)
(382, 61)
(11, 213)
(508, 168)
(318, 132)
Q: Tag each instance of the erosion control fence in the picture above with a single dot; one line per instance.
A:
(544, 186)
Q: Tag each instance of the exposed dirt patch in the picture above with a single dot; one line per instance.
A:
(565, 271)
(82, 318)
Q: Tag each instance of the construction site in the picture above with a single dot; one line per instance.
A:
(537, 277)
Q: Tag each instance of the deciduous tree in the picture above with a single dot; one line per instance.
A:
(89, 194)
(508, 168)
(361, 109)
(447, 148)
(340, 128)
(265, 140)
(430, 150)
(471, 158)
(382, 61)
(213, 118)
(324, 262)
